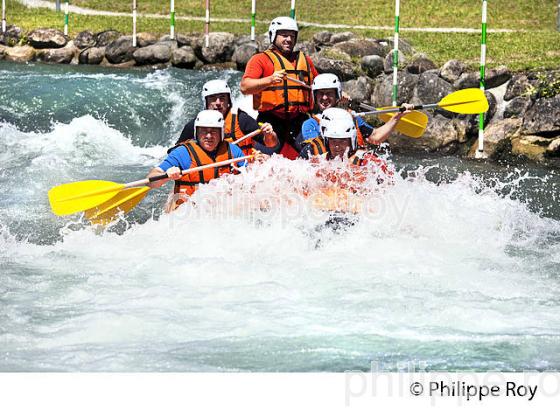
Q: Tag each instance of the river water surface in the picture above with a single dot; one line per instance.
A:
(458, 267)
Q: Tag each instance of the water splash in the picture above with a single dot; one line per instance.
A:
(180, 291)
(452, 265)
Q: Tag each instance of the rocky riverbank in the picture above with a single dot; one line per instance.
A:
(523, 121)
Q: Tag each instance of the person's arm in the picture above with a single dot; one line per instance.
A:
(250, 86)
(248, 124)
(177, 160)
(312, 66)
(269, 136)
(381, 134)
(253, 81)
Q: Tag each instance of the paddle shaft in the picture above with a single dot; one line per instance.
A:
(147, 181)
(302, 83)
(389, 110)
(295, 80)
(250, 135)
(416, 107)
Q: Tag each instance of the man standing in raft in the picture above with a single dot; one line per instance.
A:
(209, 147)
(280, 81)
(216, 95)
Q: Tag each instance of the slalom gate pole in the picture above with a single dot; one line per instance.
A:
(172, 20)
(253, 18)
(480, 150)
(396, 52)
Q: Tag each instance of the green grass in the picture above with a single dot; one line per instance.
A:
(535, 49)
(526, 14)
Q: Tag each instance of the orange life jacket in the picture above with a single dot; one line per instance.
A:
(317, 145)
(288, 97)
(232, 132)
(188, 184)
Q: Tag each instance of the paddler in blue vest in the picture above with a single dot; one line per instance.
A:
(216, 95)
(339, 140)
(209, 147)
(327, 91)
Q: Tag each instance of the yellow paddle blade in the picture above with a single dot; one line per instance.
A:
(412, 124)
(467, 101)
(124, 201)
(74, 197)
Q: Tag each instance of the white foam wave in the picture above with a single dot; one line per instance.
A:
(85, 141)
(173, 92)
(430, 263)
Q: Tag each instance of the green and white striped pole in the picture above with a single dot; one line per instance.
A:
(293, 10)
(207, 25)
(172, 20)
(133, 23)
(558, 16)
(66, 18)
(253, 18)
(396, 52)
(480, 150)
(3, 16)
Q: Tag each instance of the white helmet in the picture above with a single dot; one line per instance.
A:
(209, 118)
(281, 23)
(338, 123)
(214, 87)
(327, 81)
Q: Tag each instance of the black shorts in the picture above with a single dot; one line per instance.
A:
(286, 130)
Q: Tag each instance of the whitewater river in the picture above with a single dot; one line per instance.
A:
(455, 267)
